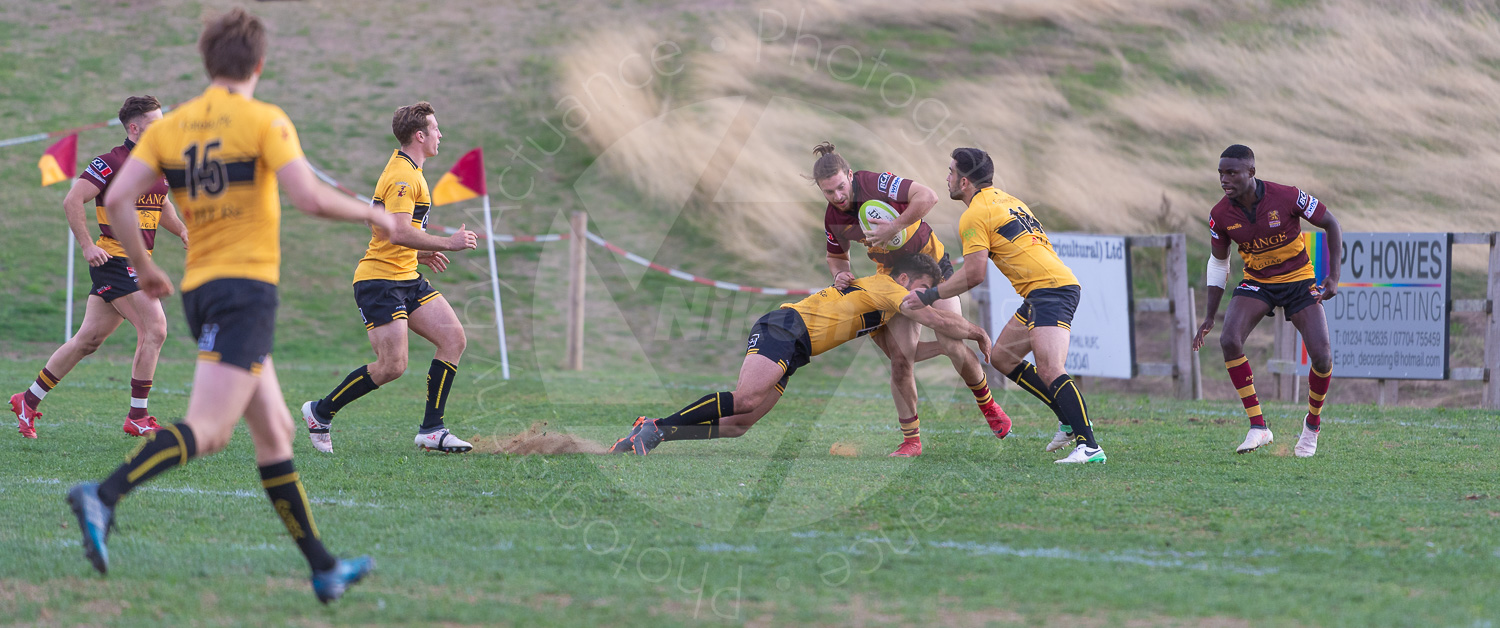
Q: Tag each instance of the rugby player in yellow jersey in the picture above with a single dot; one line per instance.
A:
(788, 338)
(392, 295)
(115, 296)
(846, 190)
(999, 226)
(223, 154)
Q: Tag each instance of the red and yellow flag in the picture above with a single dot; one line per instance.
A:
(463, 182)
(60, 162)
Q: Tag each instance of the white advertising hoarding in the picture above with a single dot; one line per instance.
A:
(1102, 342)
(1389, 319)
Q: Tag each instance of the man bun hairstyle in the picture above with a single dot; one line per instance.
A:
(974, 165)
(917, 264)
(1238, 151)
(137, 106)
(232, 45)
(410, 119)
(829, 162)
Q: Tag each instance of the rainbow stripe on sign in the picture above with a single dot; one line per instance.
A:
(1389, 285)
(1315, 243)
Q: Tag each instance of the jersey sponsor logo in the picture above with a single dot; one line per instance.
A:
(832, 239)
(885, 181)
(1213, 234)
(1246, 286)
(99, 168)
(1312, 208)
(1236, 226)
(1302, 198)
(895, 188)
(1266, 242)
(754, 339)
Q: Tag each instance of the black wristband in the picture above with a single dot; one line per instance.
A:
(928, 296)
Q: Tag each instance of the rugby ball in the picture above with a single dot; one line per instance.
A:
(879, 210)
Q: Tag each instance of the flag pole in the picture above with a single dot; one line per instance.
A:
(489, 241)
(68, 309)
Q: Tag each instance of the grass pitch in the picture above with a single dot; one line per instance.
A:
(1393, 523)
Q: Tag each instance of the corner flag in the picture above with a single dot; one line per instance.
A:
(463, 182)
(60, 162)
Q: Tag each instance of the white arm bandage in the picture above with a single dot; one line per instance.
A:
(1218, 271)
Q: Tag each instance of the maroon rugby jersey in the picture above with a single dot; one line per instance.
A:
(841, 227)
(100, 172)
(1269, 233)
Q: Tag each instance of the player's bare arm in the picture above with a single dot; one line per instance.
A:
(1330, 225)
(133, 180)
(966, 279)
(173, 223)
(923, 199)
(1217, 279)
(403, 234)
(843, 272)
(315, 199)
(949, 324)
(73, 207)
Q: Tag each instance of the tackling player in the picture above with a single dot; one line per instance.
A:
(392, 295)
(223, 154)
(115, 295)
(999, 226)
(1264, 220)
(846, 190)
(788, 338)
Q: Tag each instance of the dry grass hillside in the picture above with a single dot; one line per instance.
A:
(1095, 109)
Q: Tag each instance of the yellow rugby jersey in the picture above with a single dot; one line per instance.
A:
(403, 190)
(1003, 226)
(220, 153)
(933, 249)
(834, 317)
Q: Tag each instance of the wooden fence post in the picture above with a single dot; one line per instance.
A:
(577, 272)
(1186, 367)
(1492, 331)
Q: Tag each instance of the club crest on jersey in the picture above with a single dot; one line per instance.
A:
(1275, 219)
(98, 167)
(401, 189)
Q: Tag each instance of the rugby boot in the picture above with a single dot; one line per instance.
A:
(1258, 437)
(999, 422)
(25, 417)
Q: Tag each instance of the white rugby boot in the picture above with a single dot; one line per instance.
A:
(1258, 437)
(1307, 443)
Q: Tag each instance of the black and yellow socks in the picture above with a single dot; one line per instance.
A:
(357, 384)
(289, 498)
(1071, 408)
(700, 419)
(163, 449)
(439, 382)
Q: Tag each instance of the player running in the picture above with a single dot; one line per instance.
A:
(788, 338)
(392, 295)
(115, 295)
(999, 226)
(222, 154)
(846, 190)
(1263, 219)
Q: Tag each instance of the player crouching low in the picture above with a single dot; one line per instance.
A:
(786, 339)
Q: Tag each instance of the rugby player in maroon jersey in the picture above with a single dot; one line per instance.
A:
(115, 296)
(1263, 219)
(846, 190)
